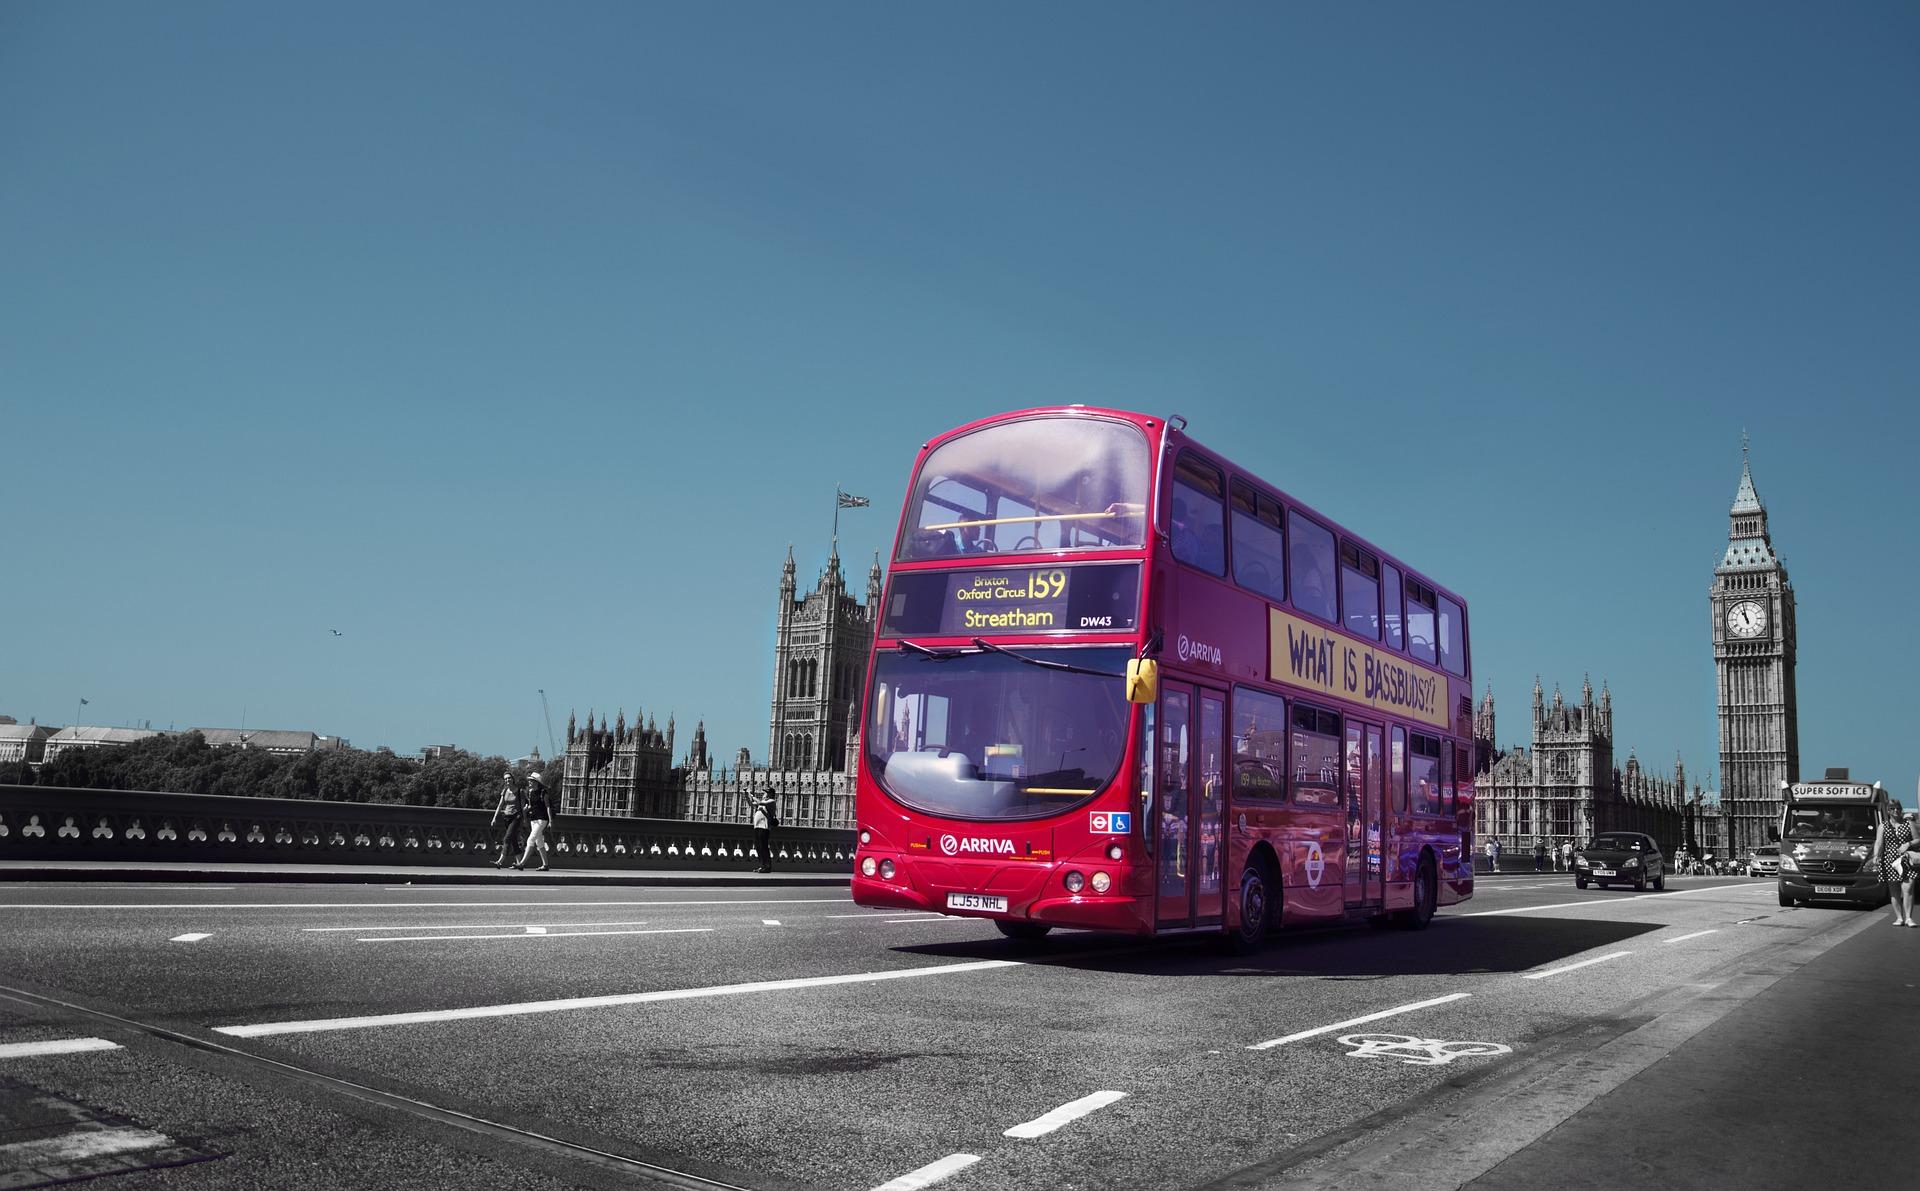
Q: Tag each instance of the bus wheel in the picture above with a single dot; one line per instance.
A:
(1257, 890)
(1424, 895)
(1025, 932)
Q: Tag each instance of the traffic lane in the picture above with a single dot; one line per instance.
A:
(1121, 995)
(265, 1133)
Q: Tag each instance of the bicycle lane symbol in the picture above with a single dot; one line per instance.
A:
(1419, 1052)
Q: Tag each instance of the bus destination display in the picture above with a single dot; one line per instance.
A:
(1095, 598)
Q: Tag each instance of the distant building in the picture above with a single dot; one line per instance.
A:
(821, 643)
(434, 752)
(94, 738)
(282, 743)
(1754, 654)
(1566, 786)
(620, 771)
(23, 742)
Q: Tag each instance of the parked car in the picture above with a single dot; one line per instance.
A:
(1765, 861)
(1620, 858)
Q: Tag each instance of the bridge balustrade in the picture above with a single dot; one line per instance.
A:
(60, 823)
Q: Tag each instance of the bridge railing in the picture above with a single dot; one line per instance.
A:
(59, 823)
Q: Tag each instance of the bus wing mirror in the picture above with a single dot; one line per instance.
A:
(1773, 834)
(1143, 680)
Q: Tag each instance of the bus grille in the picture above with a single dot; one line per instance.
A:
(1830, 866)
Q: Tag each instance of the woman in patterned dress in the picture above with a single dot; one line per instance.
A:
(1897, 865)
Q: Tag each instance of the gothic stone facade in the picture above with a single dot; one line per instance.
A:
(1753, 660)
(1566, 787)
(822, 639)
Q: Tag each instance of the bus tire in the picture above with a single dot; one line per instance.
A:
(1425, 892)
(1258, 894)
(1023, 932)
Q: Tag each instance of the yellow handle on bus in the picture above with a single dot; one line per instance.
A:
(1143, 680)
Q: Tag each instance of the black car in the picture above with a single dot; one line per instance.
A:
(1620, 858)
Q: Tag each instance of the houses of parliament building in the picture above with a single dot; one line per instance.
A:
(821, 642)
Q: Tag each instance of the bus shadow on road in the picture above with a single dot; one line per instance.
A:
(1449, 947)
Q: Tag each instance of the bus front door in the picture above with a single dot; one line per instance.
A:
(1190, 768)
(1366, 842)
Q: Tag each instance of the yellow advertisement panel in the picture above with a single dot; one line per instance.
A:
(1305, 654)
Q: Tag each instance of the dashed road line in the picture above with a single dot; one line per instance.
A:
(522, 904)
(929, 1174)
(1355, 1021)
(1585, 963)
(469, 926)
(55, 1046)
(194, 938)
(1694, 935)
(769, 922)
(1067, 1113)
(317, 1025)
(536, 932)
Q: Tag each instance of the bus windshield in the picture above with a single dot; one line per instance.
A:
(1830, 822)
(1045, 483)
(991, 735)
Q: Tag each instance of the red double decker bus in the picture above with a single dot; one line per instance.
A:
(1119, 683)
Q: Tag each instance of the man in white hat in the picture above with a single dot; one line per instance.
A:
(539, 817)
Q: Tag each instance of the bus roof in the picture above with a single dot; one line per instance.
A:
(1175, 426)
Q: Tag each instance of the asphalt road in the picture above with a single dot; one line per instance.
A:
(530, 1036)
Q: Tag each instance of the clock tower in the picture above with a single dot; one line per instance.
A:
(1753, 659)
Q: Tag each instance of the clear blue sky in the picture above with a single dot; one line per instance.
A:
(517, 341)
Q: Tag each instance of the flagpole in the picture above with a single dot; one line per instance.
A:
(836, 518)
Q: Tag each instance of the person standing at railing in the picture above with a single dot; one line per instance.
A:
(539, 820)
(763, 821)
(508, 814)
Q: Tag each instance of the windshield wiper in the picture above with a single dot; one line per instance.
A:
(938, 655)
(1021, 657)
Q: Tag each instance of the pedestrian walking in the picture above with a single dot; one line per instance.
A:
(1539, 856)
(1493, 855)
(1896, 860)
(508, 816)
(539, 820)
(763, 824)
(1566, 856)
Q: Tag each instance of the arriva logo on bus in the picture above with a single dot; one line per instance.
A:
(953, 845)
(1308, 654)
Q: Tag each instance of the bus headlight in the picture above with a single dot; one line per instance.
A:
(1075, 882)
(886, 869)
(867, 867)
(1102, 882)
(1115, 851)
(866, 837)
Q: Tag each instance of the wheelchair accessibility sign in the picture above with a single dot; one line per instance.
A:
(1116, 822)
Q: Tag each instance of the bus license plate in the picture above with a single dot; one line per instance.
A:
(1841, 889)
(976, 901)
(1603, 872)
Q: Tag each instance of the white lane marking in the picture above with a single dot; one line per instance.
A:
(943, 919)
(1694, 935)
(1071, 1111)
(1355, 1021)
(190, 938)
(769, 922)
(929, 1174)
(56, 1046)
(537, 932)
(79, 1145)
(469, 926)
(523, 904)
(262, 1029)
(1585, 963)
(1611, 901)
(885, 914)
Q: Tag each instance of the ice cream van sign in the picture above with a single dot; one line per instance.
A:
(1309, 655)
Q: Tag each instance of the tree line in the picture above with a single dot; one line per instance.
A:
(186, 764)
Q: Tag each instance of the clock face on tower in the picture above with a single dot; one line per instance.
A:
(1747, 619)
